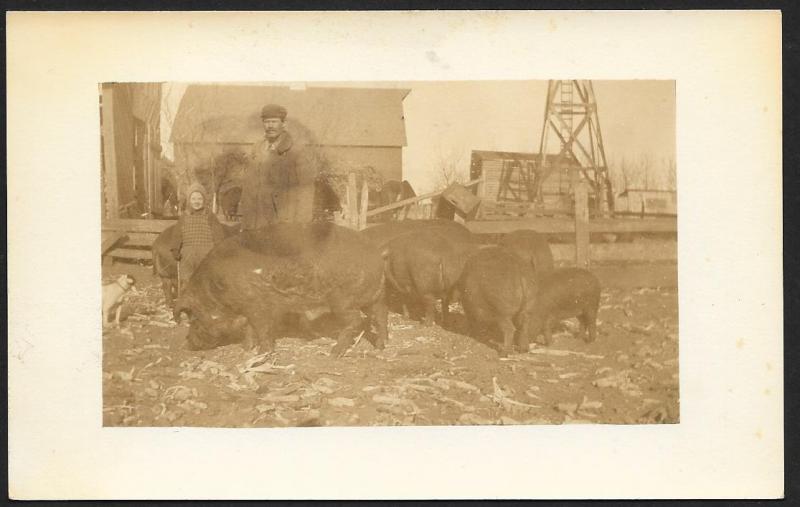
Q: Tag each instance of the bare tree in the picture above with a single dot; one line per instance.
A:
(447, 167)
(671, 174)
(643, 172)
(620, 173)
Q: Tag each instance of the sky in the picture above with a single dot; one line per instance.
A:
(446, 120)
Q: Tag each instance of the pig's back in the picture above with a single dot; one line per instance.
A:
(495, 282)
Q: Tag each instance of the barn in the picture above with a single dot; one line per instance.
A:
(350, 128)
(131, 148)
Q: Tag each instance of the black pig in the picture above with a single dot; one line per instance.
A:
(498, 289)
(425, 265)
(249, 283)
(566, 293)
(532, 248)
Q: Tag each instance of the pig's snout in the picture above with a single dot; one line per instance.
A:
(190, 345)
(194, 343)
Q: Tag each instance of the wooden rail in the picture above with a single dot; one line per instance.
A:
(567, 225)
(650, 251)
(413, 200)
(136, 225)
(139, 234)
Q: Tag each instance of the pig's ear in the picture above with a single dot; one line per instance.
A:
(239, 322)
(216, 285)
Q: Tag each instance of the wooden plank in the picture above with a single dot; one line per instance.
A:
(141, 239)
(581, 225)
(109, 240)
(567, 225)
(413, 200)
(649, 251)
(622, 225)
(135, 225)
(131, 253)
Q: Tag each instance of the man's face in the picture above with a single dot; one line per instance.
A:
(272, 127)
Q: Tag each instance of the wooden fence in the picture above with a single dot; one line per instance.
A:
(131, 238)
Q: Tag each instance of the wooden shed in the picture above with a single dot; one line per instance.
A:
(350, 128)
(514, 183)
(131, 148)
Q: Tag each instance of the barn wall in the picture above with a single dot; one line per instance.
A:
(146, 107)
(388, 161)
(124, 144)
(132, 141)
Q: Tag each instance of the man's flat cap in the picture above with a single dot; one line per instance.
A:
(273, 111)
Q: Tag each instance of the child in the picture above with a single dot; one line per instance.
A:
(198, 230)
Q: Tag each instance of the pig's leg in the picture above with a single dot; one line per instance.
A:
(474, 328)
(445, 308)
(379, 314)
(548, 331)
(589, 320)
(351, 321)
(306, 327)
(430, 309)
(266, 340)
(258, 333)
(507, 329)
(249, 341)
(523, 329)
(166, 286)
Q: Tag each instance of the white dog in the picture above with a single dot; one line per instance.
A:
(112, 296)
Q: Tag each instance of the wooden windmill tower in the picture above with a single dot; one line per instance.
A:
(571, 123)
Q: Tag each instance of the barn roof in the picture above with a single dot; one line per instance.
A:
(334, 116)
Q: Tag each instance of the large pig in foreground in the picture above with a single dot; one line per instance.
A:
(532, 248)
(164, 264)
(425, 265)
(566, 293)
(498, 290)
(250, 282)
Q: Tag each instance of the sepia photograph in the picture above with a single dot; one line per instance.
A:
(416, 253)
(397, 255)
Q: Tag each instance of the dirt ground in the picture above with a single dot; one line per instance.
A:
(425, 376)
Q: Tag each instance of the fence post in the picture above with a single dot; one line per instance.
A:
(480, 191)
(362, 212)
(581, 225)
(352, 201)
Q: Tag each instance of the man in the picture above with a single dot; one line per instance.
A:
(278, 185)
